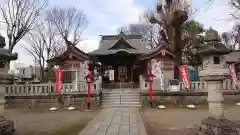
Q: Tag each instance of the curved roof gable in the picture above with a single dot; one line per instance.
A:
(72, 50)
(155, 52)
(108, 43)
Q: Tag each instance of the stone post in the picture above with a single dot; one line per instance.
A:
(215, 99)
(2, 99)
(6, 126)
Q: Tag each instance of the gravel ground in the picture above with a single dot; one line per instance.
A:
(180, 121)
(39, 122)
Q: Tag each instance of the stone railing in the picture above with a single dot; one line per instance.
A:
(197, 86)
(228, 85)
(48, 89)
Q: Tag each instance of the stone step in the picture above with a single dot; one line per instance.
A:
(117, 95)
(118, 91)
(110, 95)
(119, 106)
(122, 100)
(122, 103)
(124, 93)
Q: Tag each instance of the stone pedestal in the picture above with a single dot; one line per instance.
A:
(98, 86)
(216, 126)
(6, 126)
(216, 123)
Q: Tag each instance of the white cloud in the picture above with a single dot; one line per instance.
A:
(107, 15)
(90, 44)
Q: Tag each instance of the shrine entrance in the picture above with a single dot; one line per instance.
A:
(118, 55)
(122, 73)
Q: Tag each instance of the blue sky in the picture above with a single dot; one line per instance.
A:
(105, 16)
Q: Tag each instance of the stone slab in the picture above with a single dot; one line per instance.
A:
(116, 121)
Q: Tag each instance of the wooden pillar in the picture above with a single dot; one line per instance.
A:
(132, 72)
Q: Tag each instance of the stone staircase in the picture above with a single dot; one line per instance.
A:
(121, 98)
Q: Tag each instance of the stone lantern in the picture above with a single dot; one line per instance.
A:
(214, 72)
(6, 126)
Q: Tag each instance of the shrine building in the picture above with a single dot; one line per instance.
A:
(126, 56)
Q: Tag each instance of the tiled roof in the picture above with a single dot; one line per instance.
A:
(7, 55)
(135, 41)
(213, 47)
(157, 51)
(233, 56)
(71, 50)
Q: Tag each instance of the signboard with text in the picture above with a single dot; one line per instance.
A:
(184, 76)
(232, 72)
(58, 80)
(111, 75)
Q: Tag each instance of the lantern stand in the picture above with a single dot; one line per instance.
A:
(89, 81)
(238, 86)
(58, 89)
(150, 89)
(190, 105)
(161, 105)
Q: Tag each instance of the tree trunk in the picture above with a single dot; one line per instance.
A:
(178, 51)
(196, 68)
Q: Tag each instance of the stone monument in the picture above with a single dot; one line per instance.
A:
(216, 123)
(6, 126)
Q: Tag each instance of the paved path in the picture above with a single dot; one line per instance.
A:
(116, 121)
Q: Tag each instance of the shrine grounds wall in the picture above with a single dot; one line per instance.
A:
(78, 101)
(81, 102)
(180, 99)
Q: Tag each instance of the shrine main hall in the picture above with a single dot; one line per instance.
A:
(126, 55)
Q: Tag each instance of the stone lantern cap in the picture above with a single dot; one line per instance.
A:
(233, 57)
(213, 47)
(5, 54)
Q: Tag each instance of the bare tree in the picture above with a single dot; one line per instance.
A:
(70, 23)
(51, 39)
(44, 43)
(148, 31)
(232, 38)
(236, 5)
(19, 17)
(36, 49)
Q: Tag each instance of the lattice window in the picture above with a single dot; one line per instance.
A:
(122, 71)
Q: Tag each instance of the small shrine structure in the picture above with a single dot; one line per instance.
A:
(164, 57)
(71, 61)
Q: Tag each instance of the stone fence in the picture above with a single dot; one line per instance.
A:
(49, 89)
(25, 95)
(195, 86)
(197, 95)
